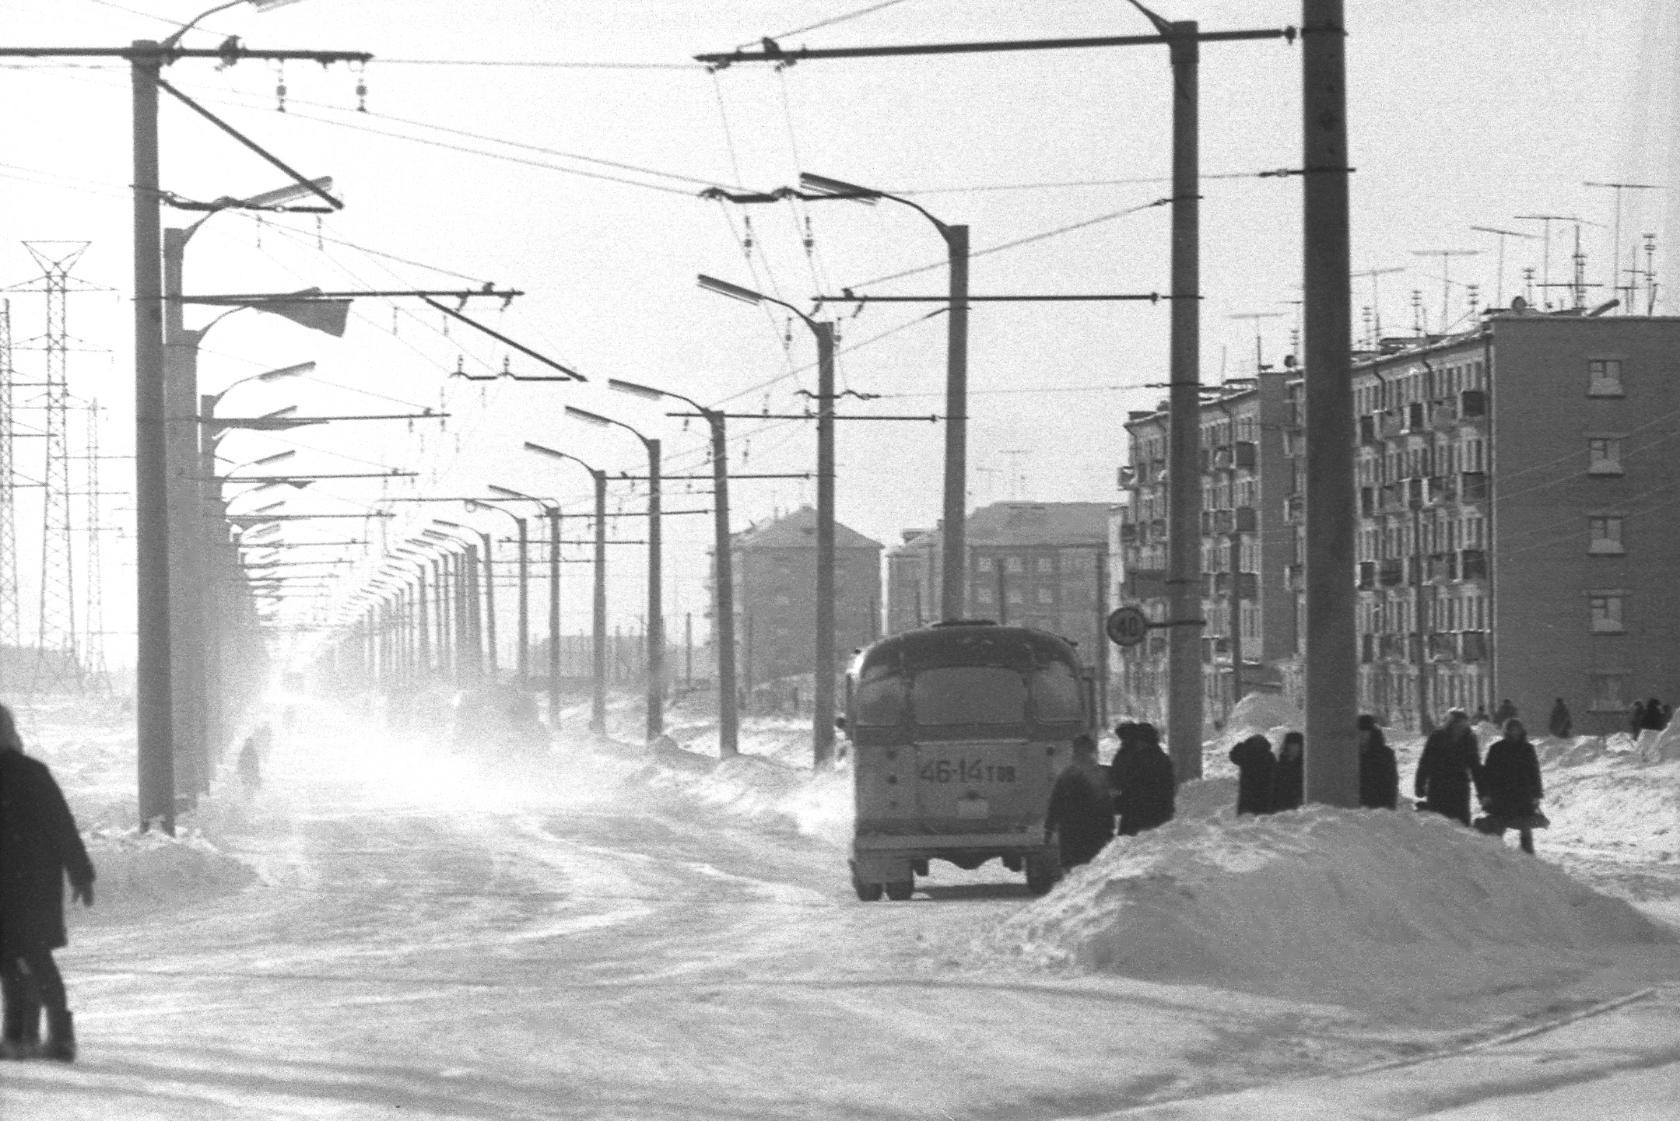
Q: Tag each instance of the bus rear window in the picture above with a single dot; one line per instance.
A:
(969, 695)
(880, 703)
(1057, 696)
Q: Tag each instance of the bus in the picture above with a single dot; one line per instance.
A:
(957, 734)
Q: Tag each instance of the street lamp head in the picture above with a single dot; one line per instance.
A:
(837, 188)
(733, 291)
(287, 372)
(507, 492)
(587, 417)
(635, 389)
(267, 460)
(447, 522)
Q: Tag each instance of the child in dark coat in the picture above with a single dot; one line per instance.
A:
(1254, 762)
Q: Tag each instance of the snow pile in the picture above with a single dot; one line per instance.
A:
(1261, 712)
(141, 871)
(1349, 906)
(770, 785)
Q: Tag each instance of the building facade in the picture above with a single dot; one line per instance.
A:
(1245, 540)
(1514, 539)
(775, 568)
(1036, 564)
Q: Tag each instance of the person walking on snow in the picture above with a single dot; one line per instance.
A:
(1505, 711)
(1379, 778)
(1509, 786)
(1289, 779)
(1147, 796)
(1560, 724)
(1448, 767)
(1254, 762)
(39, 844)
(1654, 716)
(1081, 813)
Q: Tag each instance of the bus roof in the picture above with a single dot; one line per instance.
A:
(972, 643)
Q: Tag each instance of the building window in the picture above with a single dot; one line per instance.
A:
(983, 564)
(1604, 534)
(1606, 609)
(783, 599)
(1045, 595)
(1045, 564)
(1015, 596)
(1013, 565)
(982, 595)
(1609, 692)
(1604, 377)
(1604, 455)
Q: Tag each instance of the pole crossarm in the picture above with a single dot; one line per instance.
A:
(392, 474)
(281, 423)
(314, 294)
(170, 54)
(847, 296)
(297, 176)
(776, 54)
(426, 298)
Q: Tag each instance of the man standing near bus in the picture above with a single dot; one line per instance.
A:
(1081, 813)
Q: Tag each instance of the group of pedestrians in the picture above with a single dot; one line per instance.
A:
(1090, 804)
(1507, 783)
(1650, 714)
(39, 846)
(1272, 784)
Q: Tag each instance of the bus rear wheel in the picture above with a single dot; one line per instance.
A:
(900, 890)
(867, 892)
(1043, 872)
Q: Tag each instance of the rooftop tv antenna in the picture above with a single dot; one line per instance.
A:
(1499, 271)
(1015, 455)
(1446, 256)
(1546, 237)
(1257, 316)
(1376, 303)
(1616, 234)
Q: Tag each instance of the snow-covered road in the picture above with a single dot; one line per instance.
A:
(576, 938)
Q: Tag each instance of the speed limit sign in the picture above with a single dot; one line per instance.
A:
(1126, 626)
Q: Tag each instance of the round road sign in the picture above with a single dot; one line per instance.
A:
(1126, 626)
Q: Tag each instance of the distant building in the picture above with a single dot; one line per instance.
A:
(1037, 564)
(775, 567)
(1245, 539)
(1513, 540)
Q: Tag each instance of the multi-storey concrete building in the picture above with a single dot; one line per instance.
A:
(775, 568)
(1038, 564)
(1514, 536)
(1244, 538)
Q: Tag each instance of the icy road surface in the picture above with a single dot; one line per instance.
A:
(569, 939)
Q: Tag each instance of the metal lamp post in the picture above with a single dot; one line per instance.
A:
(953, 561)
(655, 589)
(487, 567)
(822, 719)
(598, 628)
(723, 575)
(551, 510)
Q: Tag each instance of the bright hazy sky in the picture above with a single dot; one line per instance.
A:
(575, 179)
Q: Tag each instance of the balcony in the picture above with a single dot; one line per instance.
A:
(1295, 577)
(1248, 455)
(1473, 486)
(1367, 575)
(1391, 573)
(1248, 519)
(1472, 564)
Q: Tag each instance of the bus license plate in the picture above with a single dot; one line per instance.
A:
(965, 771)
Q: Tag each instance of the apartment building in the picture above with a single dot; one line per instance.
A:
(1246, 545)
(1516, 535)
(1036, 564)
(775, 567)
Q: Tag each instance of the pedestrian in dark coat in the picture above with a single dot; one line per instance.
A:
(1505, 711)
(1560, 724)
(1081, 813)
(1288, 778)
(1120, 767)
(1509, 787)
(1379, 777)
(1448, 767)
(1636, 718)
(1254, 762)
(1654, 717)
(39, 844)
(1146, 797)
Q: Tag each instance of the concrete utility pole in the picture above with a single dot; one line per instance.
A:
(1184, 476)
(1332, 649)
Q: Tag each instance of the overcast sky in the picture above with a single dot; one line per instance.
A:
(560, 148)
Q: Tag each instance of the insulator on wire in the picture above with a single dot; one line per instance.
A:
(320, 244)
(393, 319)
(460, 366)
(280, 86)
(747, 241)
(810, 238)
(361, 88)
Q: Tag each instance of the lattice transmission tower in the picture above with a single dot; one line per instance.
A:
(57, 664)
(93, 627)
(8, 497)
